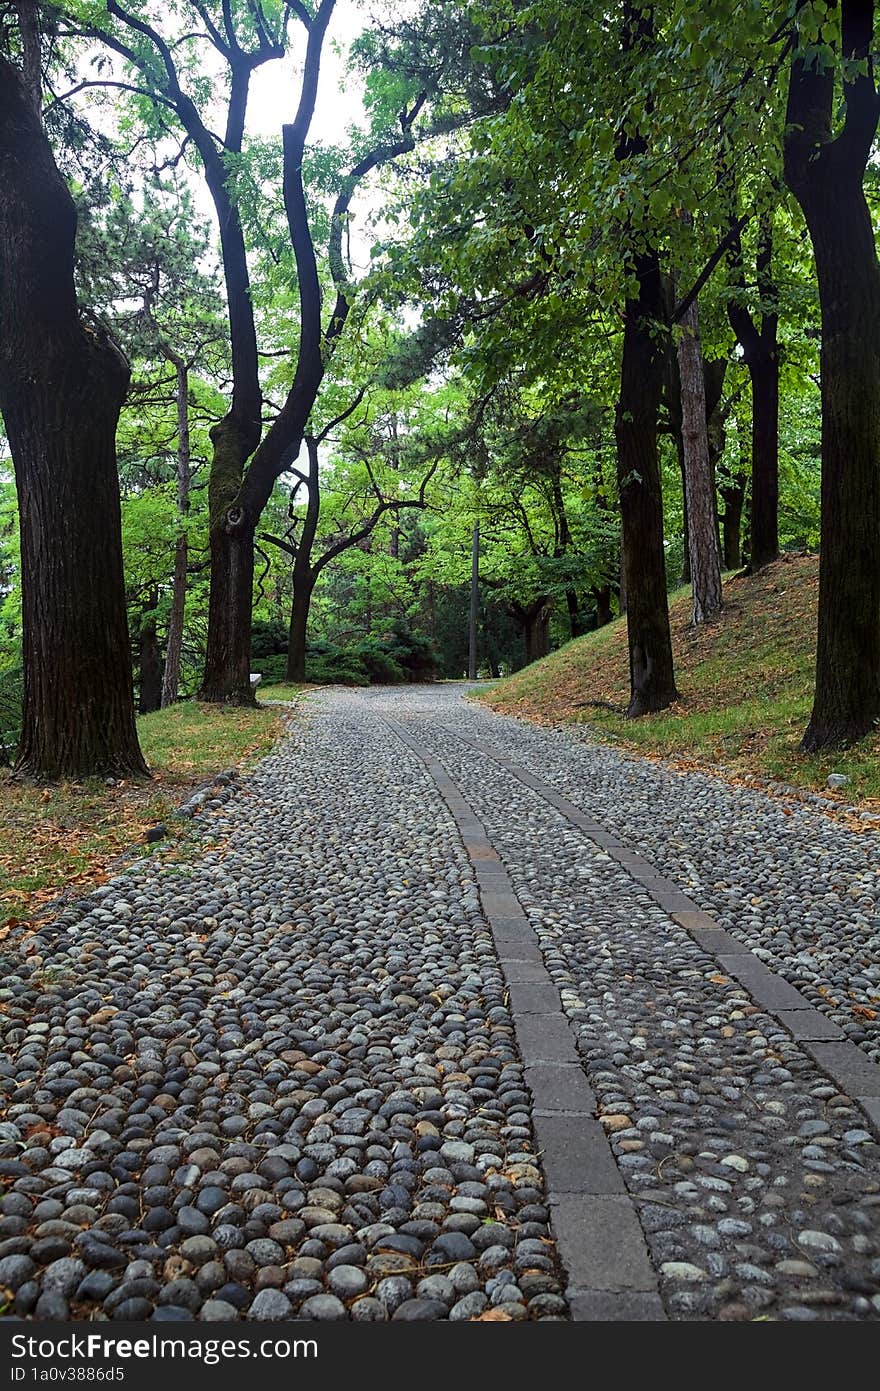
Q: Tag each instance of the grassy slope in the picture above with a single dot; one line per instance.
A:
(69, 833)
(745, 684)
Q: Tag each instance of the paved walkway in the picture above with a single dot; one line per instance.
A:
(452, 1018)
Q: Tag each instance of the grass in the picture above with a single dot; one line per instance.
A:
(69, 834)
(745, 684)
(282, 690)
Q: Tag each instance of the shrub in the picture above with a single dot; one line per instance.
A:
(378, 662)
(268, 639)
(414, 653)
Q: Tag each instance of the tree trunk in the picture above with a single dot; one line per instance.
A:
(699, 482)
(61, 390)
(733, 494)
(534, 620)
(685, 576)
(761, 356)
(602, 599)
(537, 631)
(174, 646)
(149, 663)
(575, 617)
(672, 396)
(764, 374)
(826, 176)
(303, 585)
(652, 678)
(228, 655)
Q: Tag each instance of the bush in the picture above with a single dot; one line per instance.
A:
(337, 674)
(328, 664)
(390, 660)
(270, 668)
(268, 639)
(378, 662)
(414, 653)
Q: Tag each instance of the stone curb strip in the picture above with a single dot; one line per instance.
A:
(843, 1061)
(598, 1233)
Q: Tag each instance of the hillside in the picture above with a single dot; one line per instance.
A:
(745, 684)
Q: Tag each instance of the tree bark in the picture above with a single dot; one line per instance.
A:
(62, 385)
(575, 616)
(761, 356)
(537, 631)
(764, 373)
(733, 494)
(299, 620)
(652, 678)
(705, 560)
(149, 661)
(534, 620)
(602, 599)
(174, 644)
(826, 176)
(228, 655)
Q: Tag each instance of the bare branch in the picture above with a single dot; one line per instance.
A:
(105, 82)
(213, 31)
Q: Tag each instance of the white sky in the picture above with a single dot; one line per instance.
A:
(275, 89)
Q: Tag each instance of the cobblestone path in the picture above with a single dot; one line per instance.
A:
(452, 1017)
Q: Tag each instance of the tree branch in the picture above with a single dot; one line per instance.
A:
(725, 243)
(344, 415)
(278, 541)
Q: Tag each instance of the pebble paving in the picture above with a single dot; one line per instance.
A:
(403, 1042)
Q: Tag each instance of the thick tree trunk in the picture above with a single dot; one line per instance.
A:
(303, 586)
(174, 646)
(228, 655)
(826, 176)
(764, 373)
(61, 389)
(847, 696)
(699, 482)
(228, 658)
(652, 678)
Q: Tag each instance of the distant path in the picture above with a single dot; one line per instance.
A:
(453, 998)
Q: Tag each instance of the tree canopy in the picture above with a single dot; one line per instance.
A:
(585, 291)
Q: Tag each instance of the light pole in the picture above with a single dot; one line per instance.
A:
(475, 602)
